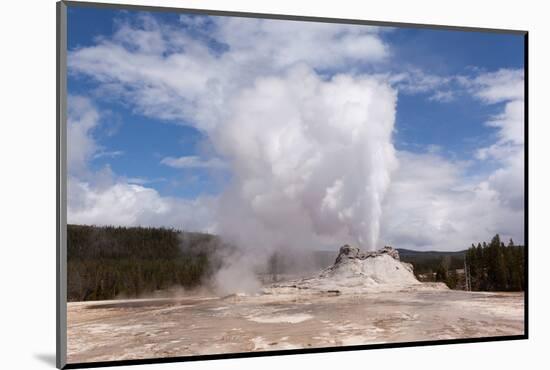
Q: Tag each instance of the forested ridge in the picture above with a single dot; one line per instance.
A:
(110, 262)
(106, 262)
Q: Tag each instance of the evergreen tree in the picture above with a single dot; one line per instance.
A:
(104, 262)
(496, 266)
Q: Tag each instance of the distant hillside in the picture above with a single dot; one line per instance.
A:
(429, 261)
(421, 260)
(429, 254)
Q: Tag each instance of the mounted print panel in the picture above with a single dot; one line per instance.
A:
(240, 184)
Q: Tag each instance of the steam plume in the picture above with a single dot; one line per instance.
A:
(310, 156)
(311, 161)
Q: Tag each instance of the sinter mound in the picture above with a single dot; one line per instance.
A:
(355, 271)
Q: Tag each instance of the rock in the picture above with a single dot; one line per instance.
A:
(349, 252)
(392, 252)
(356, 272)
(346, 252)
(370, 268)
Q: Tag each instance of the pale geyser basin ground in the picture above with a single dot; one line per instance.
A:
(199, 325)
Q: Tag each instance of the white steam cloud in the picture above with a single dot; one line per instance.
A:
(310, 158)
(311, 161)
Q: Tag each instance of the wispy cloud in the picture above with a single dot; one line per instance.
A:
(497, 87)
(144, 181)
(489, 87)
(108, 154)
(83, 119)
(443, 96)
(417, 81)
(194, 162)
(142, 62)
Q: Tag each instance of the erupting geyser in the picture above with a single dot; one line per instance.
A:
(311, 161)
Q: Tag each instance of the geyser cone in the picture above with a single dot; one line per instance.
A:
(355, 271)
(379, 267)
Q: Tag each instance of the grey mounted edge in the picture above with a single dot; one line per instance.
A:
(288, 17)
(61, 187)
(61, 173)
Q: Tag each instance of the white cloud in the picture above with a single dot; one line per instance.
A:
(83, 118)
(507, 87)
(510, 134)
(433, 205)
(194, 162)
(500, 86)
(82, 121)
(165, 73)
(143, 180)
(103, 198)
(284, 43)
(108, 153)
(415, 81)
(443, 96)
(510, 122)
(126, 204)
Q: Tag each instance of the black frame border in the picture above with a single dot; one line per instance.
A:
(61, 151)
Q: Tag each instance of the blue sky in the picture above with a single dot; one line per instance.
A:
(445, 82)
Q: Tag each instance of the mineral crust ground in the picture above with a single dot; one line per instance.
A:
(288, 319)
